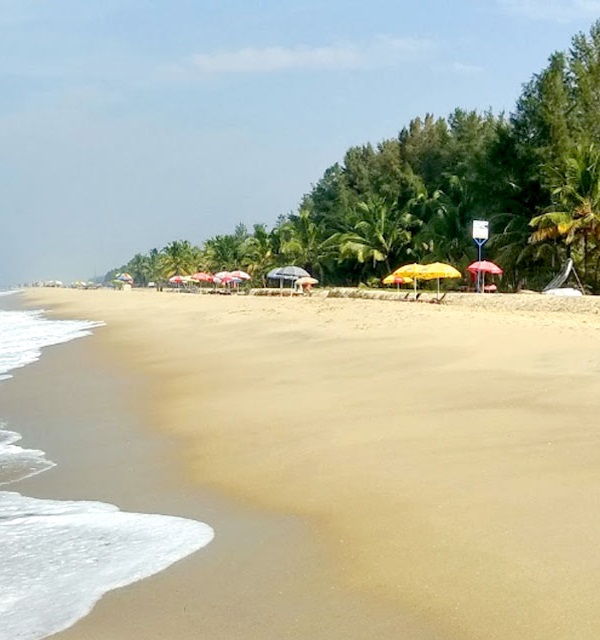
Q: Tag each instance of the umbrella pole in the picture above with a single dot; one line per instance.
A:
(415, 289)
(438, 294)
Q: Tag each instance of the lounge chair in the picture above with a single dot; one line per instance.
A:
(439, 300)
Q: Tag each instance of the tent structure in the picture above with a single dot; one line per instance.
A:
(555, 286)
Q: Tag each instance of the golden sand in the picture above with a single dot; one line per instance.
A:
(448, 456)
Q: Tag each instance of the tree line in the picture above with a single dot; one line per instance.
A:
(534, 175)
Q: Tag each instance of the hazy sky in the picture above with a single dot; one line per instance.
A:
(125, 124)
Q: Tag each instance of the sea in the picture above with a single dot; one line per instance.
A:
(59, 557)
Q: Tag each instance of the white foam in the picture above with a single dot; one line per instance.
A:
(24, 333)
(59, 558)
(17, 463)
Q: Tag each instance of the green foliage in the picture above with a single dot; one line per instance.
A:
(177, 258)
(534, 175)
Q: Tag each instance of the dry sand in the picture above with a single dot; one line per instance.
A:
(446, 457)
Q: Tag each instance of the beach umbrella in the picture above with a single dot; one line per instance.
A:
(305, 283)
(480, 268)
(287, 273)
(412, 271)
(178, 279)
(242, 275)
(222, 274)
(438, 270)
(392, 279)
(201, 276)
(485, 266)
(124, 277)
(397, 280)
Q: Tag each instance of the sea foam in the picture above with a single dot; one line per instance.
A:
(17, 463)
(57, 558)
(60, 557)
(24, 333)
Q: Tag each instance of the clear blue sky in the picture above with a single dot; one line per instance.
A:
(125, 124)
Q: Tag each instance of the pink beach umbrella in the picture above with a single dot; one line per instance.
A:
(201, 276)
(228, 279)
(478, 270)
(176, 279)
(242, 275)
(485, 266)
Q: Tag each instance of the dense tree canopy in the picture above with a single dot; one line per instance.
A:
(535, 175)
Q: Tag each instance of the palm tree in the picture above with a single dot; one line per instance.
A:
(178, 258)
(139, 268)
(260, 252)
(575, 214)
(524, 263)
(305, 244)
(379, 234)
(225, 252)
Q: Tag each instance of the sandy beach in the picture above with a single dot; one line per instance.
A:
(434, 467)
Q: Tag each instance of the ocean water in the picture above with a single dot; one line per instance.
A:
(58, 557)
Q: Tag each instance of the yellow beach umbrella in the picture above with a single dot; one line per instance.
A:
(392, 279)
(397, 280)
(412, 271)
(438, 270)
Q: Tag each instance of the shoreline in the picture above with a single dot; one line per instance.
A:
(439, 499)
(264, 576)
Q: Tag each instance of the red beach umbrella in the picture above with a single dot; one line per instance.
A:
(485, 266)
(478, 270)
(201, 276)
(228, 278)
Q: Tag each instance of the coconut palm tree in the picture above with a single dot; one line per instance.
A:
(139, 268)
(178, 258)
(260, 252)
(379, 234)
(225, 252)
(575, 214)
(305, 243)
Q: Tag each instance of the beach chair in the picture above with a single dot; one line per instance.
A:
(439, 300)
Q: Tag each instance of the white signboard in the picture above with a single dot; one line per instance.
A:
(480, 230)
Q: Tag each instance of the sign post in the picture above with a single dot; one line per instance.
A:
(480, 236)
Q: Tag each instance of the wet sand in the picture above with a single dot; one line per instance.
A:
(264, 576)
(435, 466)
